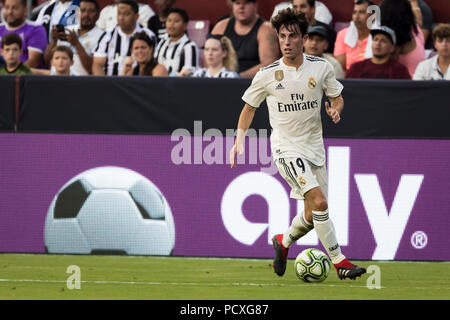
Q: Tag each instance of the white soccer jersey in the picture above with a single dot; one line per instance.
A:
(294, 99)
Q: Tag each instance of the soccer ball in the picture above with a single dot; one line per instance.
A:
(312, 265)
(109, 210)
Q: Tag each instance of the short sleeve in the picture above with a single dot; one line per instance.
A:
(101, 51)
(331, 86)
(38, 40)
(256, 93)
(419, 74)
(339, 45)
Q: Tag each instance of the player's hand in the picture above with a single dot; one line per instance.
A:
(235, 150)
(333, 113)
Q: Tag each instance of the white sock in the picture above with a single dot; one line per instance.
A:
(327, 235)
(299, 227)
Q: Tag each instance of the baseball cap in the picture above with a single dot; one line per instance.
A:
(385, 30)
(320, 30)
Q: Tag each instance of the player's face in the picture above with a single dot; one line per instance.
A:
(11, 53)
(442, 46)
(244, 11)
(360, 15)
(14, 12)
(291, 41)
(61, 61)
(141, 51)
(303, 6)
(316, 45)
(175, 25)
(382, 46)
(126, 18)
(88, 15)
(214, 54)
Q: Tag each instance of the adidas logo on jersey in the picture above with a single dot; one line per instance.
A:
(279, 86)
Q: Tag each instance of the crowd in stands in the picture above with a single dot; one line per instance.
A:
(127, 38)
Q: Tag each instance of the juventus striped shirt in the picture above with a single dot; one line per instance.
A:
(179, 55)
(115, 46)
(223, 73)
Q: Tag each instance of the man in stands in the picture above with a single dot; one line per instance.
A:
(317, 44)
(34, 39)
(108, 15)
(351, 42)
(83, 38)
(308, 7)
(254, 40)
(380, 66)
(437, 67)
(114, 44)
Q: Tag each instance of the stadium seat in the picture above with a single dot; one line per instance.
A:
(338, 26)
(197, 31)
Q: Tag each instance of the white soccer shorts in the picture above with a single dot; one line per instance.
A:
(302, 175)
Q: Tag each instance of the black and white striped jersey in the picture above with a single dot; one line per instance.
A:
(178, 55)
(223, 73)
(115, 46)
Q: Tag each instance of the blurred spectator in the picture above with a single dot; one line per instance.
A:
(178, 53)
(322, 13)
(381, 65)
(427, 18)
(308, 7)
(220, 59)
(437, 67)
(254, 40)
(351, 42)
(142, 62)
(83, 38)
(108, 15)
(157, 23)
(61, 61)
(317, 44)
(33, 36)
(59, 12)
(114, 44)
(11, 52)
(400, 17)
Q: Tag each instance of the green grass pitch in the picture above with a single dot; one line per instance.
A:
(27, 276)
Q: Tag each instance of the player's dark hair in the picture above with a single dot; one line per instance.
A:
(133, 4)
(311, 3)
(10, 39)
(183, 14)
(390, 11)
(97, 7)
(289, 18)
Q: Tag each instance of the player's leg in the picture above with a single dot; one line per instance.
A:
(289, 170)
(316, 211)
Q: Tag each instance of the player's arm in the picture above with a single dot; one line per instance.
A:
(335, 109)
(245, 120)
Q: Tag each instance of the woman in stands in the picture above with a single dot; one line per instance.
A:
(220, 59)
(142, 48)
(405, 18)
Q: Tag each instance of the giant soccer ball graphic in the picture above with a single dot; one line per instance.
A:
(109, 210)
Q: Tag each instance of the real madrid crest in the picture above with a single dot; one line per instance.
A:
(279, 75)
(312, 83)
(302, 181)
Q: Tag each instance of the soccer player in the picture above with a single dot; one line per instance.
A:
(293, 87)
